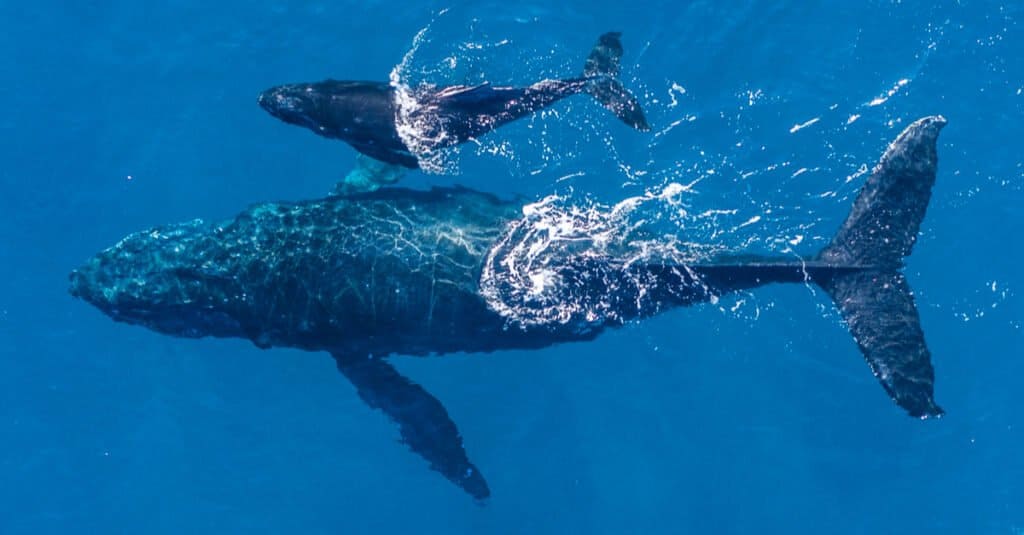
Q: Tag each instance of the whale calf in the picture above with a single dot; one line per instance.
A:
(378, 120)
(421, 273)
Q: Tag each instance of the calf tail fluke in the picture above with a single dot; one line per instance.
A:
(602, 75)
(875, 300)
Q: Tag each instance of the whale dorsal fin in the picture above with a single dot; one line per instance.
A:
(422, 421)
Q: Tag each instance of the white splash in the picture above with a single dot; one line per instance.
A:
(797, 127)
(418, 125)
(673, 91)
(754, 96)
(889, 94)
(529, 278)
(857, 174)
(750, 221)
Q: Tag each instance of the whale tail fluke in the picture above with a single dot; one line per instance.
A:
(860, 268)
(874, 298)
(601, 72)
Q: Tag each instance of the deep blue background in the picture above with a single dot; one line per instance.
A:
(765, 420)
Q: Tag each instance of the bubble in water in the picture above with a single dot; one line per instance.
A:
(417, 122)
(568, 264)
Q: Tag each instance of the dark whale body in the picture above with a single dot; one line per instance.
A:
(402, 272)
(367, 115)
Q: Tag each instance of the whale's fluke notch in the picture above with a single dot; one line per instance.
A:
(422, 420)
(602, 71)
(876, 302)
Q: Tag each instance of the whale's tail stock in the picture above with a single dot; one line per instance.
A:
(601, 72)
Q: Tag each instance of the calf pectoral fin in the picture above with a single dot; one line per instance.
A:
(467, 95)
(423, 422)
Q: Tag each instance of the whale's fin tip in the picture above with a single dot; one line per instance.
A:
(422, 420)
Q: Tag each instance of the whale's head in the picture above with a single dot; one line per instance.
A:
(169, 279)
(297, 104)
(348, 110)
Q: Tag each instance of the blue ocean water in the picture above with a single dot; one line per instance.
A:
(753, 416)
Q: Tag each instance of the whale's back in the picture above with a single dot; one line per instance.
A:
(391, 271)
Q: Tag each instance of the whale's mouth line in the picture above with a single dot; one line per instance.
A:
(175, 319)
(288, 108)
(188, 318)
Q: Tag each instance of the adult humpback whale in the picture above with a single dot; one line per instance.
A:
(380, 122)
(424, 273)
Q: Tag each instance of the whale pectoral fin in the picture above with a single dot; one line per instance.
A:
(391, 156)
(423, 422)
(467, 95)
(369, 174)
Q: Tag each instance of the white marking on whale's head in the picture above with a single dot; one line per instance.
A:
(297, 104)
(164, 279)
